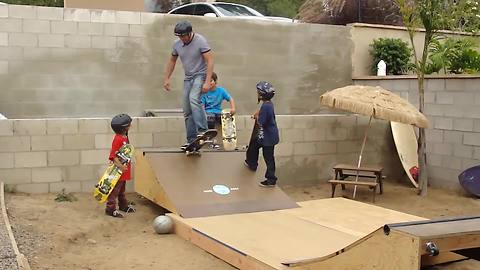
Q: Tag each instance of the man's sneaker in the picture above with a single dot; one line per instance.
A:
(248, 166)
(267, 183)
(184, 147)
(113, 213)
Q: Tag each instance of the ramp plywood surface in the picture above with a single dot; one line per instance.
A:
(313, 231)
(188, 183)
(349, 216)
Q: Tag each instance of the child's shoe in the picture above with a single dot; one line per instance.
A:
(128, 209)
(267, 183)
(249, 167)
(113, 213)
(214, 146)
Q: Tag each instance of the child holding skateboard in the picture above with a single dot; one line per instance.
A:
(265, 135)
(212, 102)
(120, 125)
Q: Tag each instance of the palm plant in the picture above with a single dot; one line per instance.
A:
(453, 55)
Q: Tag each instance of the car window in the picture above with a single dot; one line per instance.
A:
(188, 10)
(234, 10)
(202, 9)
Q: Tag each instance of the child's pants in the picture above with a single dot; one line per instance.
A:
(268, 156)
(212, 120)
(117, 193)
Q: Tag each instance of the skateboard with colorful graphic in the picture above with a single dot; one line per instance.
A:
(229, 130)
(194, 147)
(110, 178)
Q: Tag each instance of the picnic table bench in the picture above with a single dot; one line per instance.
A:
(343, 171)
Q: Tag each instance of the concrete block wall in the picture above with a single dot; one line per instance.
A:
(452, 107)
(57, 62)
(47, 155)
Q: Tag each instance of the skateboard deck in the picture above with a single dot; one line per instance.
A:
(470, 180)
(194, 147)
(110, 178)
(406, 143)
(254, 134)
(229, 131)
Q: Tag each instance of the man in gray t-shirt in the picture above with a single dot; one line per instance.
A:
(196, 57)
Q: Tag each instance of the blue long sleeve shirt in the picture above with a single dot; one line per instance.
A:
(268, 130)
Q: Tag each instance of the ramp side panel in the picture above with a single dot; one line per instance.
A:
(147, 185)
(189, 180)
(378, 251)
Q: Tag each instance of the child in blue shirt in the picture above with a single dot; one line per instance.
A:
(265, 135)
(212, 101)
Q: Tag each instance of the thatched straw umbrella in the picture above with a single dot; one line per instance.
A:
(375, 102)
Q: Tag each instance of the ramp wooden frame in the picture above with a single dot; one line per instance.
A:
(322, 234)
(328, 234)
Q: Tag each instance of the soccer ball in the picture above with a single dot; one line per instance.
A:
(163, 224)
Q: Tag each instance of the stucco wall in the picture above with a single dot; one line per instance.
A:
(127, 5)
(58, 62)
(452, 107)
(46, 155)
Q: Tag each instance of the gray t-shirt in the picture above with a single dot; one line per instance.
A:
(191, 55)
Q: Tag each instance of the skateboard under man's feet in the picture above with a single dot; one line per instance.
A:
(194, 147)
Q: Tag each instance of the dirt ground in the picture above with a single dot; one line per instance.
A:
(77, 235)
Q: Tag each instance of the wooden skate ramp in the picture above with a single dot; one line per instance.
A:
(328, 234)
(215, 183)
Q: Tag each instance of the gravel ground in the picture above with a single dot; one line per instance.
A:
(28, 241)
(7, 255)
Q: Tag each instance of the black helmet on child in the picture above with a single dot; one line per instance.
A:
(120, 122)
(265, 90)
(183, 28)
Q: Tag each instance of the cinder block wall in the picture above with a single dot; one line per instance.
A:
(452, 104)
(47, 155)
(58, 62)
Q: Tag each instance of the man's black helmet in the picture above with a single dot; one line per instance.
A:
(265, 90)
(120, 122)
(183, 28)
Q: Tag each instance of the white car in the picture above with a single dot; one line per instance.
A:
(221, 9)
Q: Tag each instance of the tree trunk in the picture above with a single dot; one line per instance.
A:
(422, 158)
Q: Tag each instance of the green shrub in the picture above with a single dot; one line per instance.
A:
(48, 3)
(395, 52)
(464, 58)
(453, 55)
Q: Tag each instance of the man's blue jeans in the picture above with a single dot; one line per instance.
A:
(193, 111)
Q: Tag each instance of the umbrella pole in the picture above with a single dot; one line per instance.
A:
(361, 153)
